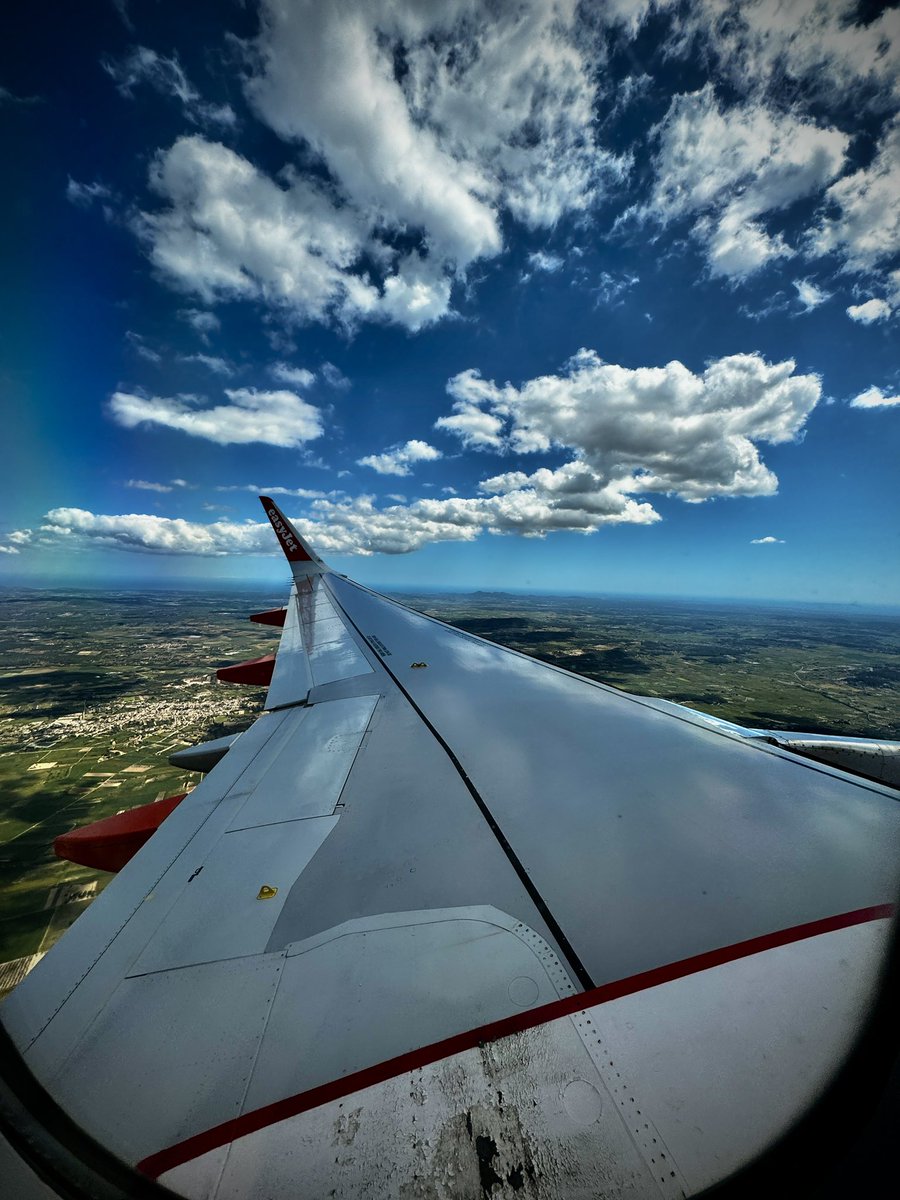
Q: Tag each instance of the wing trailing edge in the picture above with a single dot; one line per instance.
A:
(303, 559)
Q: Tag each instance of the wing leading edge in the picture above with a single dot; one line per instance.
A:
(440, 886)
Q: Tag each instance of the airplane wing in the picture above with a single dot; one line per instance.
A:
(450, 921)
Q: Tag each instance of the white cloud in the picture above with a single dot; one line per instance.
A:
(610, 287)
(861, 223)
(354, 526)
(201, 322)
(477, 428)
(430, 123)
(767, 541)
(84, 194)
(217, 365)
(494, 105)
(274, 418)
(542, 261)
(231, 231)
(334, 377)
(810, 295)
(295, 376)
(165, 75)
(16, 540)
(630, 432)
(140, 347)
(146, 485)
(730, 167)
(8, 97)
(154, 534)
(870, 311)
(873, 397)
(398, 460)
(650, 429)
(820, 44)
(275, 490)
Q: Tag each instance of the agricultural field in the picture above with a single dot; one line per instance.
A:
(816, 668)
(96, 690)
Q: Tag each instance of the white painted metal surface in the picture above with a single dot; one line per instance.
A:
(204, 756)
(450, 849)
(291, 677)
(369, 990)
(126, 1078)
(316, 648)
(724, 1061)
(87, 964)
(650, 837)
(302, 771)
(528, 1118)
(220, 913)
(659, 1093)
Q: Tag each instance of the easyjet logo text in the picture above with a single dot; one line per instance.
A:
(282, 530)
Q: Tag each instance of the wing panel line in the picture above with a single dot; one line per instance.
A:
(568, 950)
(281, 1110)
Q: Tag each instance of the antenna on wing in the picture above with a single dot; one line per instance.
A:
(304, 561)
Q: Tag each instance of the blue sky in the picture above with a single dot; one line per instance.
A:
(592, 297)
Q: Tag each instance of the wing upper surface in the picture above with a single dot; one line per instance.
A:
(424, 835)
(648, 836)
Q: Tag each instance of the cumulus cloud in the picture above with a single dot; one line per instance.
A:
(166, 76)
(153, 534)
(629, 433)
(810, 295)
(399, 459)
(351, 526)
(232, 232)
(295, 376)
(861, 223)
(869, 311)
(429, 122)
(730, 167)
(767, 541)
(873, 397)
(471, 422)
(649, 429)
(278, 418)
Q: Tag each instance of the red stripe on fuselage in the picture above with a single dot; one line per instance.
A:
(281, 1110)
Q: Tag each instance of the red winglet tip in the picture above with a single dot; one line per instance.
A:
(291, 543)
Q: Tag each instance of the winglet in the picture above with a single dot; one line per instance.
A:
(302, 559)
